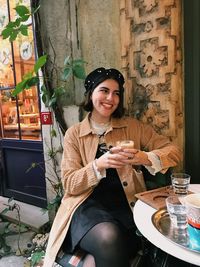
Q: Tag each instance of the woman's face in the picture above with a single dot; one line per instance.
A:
(105, 99)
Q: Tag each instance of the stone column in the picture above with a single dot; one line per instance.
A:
(151, 38)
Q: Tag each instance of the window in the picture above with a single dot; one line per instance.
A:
(19, 116)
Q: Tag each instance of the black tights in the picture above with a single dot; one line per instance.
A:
(106, 243)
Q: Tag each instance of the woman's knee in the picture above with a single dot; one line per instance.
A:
(110, 234)
(104, 235)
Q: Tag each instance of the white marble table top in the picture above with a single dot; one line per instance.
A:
(143, 218)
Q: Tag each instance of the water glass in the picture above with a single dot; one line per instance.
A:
(180, 183)
(177, 212)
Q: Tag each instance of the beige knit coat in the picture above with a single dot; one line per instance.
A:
(78, 176)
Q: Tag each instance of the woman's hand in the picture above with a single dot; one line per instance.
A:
(135, 157)
(118, 157)
(111, 159)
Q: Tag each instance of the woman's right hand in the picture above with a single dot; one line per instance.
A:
(111, 159)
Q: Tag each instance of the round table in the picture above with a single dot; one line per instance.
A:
(142, 216)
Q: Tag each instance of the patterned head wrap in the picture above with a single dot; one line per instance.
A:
(99, 75)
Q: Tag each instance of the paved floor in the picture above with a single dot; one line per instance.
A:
(31, 216)
(13, 261)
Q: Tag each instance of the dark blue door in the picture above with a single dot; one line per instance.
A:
(23, 171)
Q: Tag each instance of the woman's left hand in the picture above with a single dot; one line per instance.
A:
(135, 157)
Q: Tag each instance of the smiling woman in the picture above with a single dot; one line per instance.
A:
(99, 187)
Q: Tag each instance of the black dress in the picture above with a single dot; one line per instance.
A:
(107, 203)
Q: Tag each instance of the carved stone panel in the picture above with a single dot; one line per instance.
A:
(152, 63)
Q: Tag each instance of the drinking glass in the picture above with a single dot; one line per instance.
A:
(177, 212)
(180, 183)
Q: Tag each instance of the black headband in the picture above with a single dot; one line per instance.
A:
(99, 75)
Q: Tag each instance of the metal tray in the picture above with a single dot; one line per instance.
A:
(163, 224)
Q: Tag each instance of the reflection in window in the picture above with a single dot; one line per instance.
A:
(19, 116)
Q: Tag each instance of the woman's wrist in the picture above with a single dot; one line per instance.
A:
(97, 166)
(100, 174)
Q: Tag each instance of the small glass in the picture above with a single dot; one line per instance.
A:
(180, 183)
(177, 212)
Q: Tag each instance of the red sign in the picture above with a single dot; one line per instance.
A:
(46, 118)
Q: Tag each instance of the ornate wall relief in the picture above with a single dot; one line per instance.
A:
(152, 63)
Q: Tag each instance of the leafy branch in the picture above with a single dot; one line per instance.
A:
(11, 206)
(18, 26)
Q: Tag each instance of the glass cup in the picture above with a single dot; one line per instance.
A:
(125, 143)
(180, 183)
(177, 212)
(192, 203)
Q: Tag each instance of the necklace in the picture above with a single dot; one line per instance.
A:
(99, 128)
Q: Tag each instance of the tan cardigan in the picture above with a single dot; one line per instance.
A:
(78, 176)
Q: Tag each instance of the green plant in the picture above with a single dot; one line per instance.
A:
(38, 252)
(11, 206)
(18, 26)
(52, 163)
(3, 234)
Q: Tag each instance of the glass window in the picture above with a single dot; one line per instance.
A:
(19, 116)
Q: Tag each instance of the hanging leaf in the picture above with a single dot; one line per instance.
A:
(53, 133)
(32, 81)
(79, 62)
(67, 60)
(6, 32)
(45, 95)
(28, 75)
(66, 73)
(59, 91)
(52, 101)
(44, 100)
(13, 36)
(19, 87)
(17, 22)
(11, 24)
(22, 10)
(79, 72)
(40, 62)
(5, 211)
(24, 30)
(43, 89)
(25, 18)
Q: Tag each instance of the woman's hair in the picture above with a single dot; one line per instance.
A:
(94, 79)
